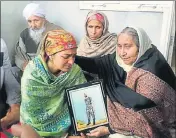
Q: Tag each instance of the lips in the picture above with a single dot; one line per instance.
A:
(92, 37)
(68, 67)
(125, 58)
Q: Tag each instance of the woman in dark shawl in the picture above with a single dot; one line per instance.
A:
(140, 87)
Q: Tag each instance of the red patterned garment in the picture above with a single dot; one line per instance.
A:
(6, 134)
(141, 98)
(147, 123)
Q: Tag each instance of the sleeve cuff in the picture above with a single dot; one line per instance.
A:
(110, 130)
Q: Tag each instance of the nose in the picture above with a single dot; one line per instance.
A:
(123, 52)
(71, 60)
(33, 25)
(93, 30)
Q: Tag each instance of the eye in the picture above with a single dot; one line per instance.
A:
(98, 27)
(119, 46)
(90, 26)
(29, 21)
(36, 20)
(128, 46)
(65, 56)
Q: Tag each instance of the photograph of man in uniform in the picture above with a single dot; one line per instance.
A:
(89, 109)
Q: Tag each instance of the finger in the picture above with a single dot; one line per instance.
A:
(92, 134)
(83, 135)
(94, 130)
(4, 123)
(16, 130)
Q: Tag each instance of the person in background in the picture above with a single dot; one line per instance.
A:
(140, 87)
(10, 96)
(28, 45)
(98, 41)
(44, 105)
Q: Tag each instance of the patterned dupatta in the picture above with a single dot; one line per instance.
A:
(43, 104)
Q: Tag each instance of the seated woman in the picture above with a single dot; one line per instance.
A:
(43, 84)
(98, 41)
(140, 87)
(9, 91)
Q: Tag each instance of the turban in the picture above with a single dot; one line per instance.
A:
(58, 40)
(33, 9)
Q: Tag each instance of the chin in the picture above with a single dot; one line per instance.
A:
(128, 63)
(66, 70)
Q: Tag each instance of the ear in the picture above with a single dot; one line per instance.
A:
(51, 57)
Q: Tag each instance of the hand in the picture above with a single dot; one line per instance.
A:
(12, 116)
(82, 136)
(24, 65)
(24, 131)
(98, 132)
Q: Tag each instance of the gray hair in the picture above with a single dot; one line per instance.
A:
(131, 32)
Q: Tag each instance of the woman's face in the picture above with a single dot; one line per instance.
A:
(127, 49)
(63, 60)
(94, 29)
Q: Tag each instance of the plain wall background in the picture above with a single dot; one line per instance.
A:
(68, 15)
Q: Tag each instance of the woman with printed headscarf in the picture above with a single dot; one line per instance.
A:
(140, 87)
(43, 85)
(98, 41)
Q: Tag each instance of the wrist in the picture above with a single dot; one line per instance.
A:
(110, 130)
(15, 106)
(107, 131)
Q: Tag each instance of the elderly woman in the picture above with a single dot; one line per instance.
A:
(43, 84)
(140, 88)
(98, 41)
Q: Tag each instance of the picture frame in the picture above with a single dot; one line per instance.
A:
(86, 103)
(1, 58)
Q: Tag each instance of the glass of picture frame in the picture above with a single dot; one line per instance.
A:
(86, 103)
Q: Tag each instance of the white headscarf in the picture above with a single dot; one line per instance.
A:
(144, 45)
(33, 9)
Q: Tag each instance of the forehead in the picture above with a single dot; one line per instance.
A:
(94, 23)
(68, 52)
(33, 17)
(125, 38)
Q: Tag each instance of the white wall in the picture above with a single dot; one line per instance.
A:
(68, 15)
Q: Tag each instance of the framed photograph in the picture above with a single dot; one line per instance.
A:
(87, 106)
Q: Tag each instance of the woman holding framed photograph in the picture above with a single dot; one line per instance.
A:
(43, 84)
(140, 87)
